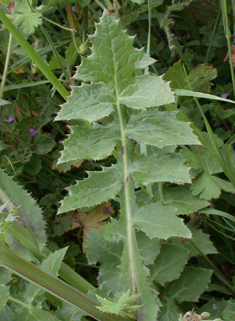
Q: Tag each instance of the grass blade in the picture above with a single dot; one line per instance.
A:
(41, 65)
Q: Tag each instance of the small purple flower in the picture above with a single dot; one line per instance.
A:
(107, 210)
(33, 132)
(225, 95)
(11, 118)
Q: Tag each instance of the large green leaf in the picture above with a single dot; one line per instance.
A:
(160, 128)
(97, 188)
(199, 77)
(169, 263)
(191, 284)
(156, 220)
(108, 254)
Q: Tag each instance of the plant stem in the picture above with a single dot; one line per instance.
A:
(127, 196)
(227, 33)
(10, 298)
(100, 4)
(58, 25)
(4, 77)
(55, 53)
(69, 15)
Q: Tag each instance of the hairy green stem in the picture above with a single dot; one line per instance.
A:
(127, 195)
(4, 77)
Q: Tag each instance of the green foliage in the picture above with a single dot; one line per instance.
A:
(125, 304)
(114, 88)
(25, 18)
(117, 146)
(27, 207)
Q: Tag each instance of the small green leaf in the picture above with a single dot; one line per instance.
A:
(148, 248)
(154, 168)
(206, 187)
(199, 77)
(160, 128)
(95, 143)
(201, 240)
(36, 315)
(125, 302)
(49, 265)
(156, 220)
(68, 312)
(25, 18)
(181, 197)
(4, 295)
(170, 311)
(191, 284)
(97, 188)
(7, 314)
(108, 254)
(5, 276)
(165, 269)
(142, 93)
(4, 102)
(88, 102)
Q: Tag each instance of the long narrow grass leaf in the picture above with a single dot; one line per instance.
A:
(41, 65)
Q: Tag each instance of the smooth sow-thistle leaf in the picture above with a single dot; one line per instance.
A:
(95, 143)
(169, 168)
(112, 65)
(146, 91)
(160, 221)
(88, 102)
(97, 188)
(160, 128)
